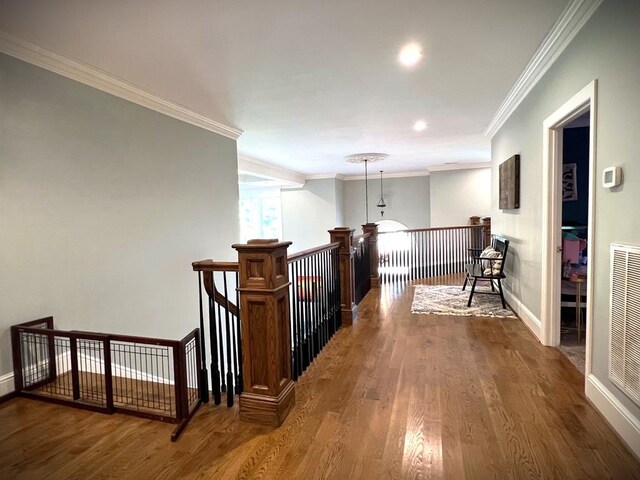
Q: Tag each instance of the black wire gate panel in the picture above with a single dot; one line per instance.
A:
(148, 377)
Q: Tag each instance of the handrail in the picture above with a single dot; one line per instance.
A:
(310, 251)
(224, 329)
(456, 227)
(357, 238)
(427, 252)
(209, 265)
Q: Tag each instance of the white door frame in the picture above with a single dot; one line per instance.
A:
(583, 101)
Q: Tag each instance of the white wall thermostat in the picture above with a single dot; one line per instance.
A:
(611, 177)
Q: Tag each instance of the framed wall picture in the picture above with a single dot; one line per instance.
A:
(509, 184)
(569, 188)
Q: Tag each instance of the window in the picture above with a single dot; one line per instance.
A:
(260, 213)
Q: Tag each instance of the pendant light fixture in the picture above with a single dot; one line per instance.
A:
(366, 158)
(381, 203)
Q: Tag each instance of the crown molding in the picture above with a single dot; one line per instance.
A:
(323, 176)
(459, 166)
(262, 169)
(388, 175)
(574, 17)
(91, 76)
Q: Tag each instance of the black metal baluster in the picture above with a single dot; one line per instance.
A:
(323, 295)
(294, 323)
(227, 325)
(300, 346)
(215, 371)
(302, 279)
(314, 305)
(204, 375)
(221, 357)
(239, 384)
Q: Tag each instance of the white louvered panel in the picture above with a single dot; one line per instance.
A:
(624, 365)
(632, 346)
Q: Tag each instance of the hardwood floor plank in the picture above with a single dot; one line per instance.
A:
(395, 396)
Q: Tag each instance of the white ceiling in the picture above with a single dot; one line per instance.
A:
(310, 81)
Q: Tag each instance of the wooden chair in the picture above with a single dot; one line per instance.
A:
(476, 270)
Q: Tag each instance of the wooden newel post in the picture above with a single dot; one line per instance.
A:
(486, 224)
(344, 235)
(268, 390)
(372, 228)
(477, 237)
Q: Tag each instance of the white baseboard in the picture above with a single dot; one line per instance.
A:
(621, 419)
(6, 384)
(528, 318)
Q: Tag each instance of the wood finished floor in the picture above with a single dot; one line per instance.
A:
(395, 396)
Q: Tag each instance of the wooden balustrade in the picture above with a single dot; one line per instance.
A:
(315, 302)
(421, 253)
(221, 317)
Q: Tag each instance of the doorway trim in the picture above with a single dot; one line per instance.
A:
(585, 100)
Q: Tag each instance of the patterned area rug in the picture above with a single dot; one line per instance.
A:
(452, 300)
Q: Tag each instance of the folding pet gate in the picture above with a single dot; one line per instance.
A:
(148, 377)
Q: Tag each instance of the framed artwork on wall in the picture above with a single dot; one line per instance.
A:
(569, 189)
(509, 171)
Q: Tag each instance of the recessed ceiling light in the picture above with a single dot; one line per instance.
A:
(420, 125)
(410, 54)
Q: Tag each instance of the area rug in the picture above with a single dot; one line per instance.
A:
(575, 354)
(452, 300)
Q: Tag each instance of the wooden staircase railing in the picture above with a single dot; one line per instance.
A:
(274, 329)
(421, 253)
(221, 316)
(314, 302)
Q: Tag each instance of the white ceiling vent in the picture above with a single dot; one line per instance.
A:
(624, 349)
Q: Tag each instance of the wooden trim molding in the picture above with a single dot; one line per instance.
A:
(574, 17)
(528, 318)
(626, 425)
(584, 100)
(7, 387)
(93, 77)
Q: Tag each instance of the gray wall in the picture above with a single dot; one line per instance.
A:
(407, 199)
(605, 49)
(308, 212)
(457, 195)
(103, 206)
(339, 203)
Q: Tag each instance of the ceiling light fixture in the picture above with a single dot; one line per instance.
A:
(366, 158)
(410, 54)
(381, 203)
(420, 125)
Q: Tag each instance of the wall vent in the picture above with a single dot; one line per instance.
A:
(624, 348)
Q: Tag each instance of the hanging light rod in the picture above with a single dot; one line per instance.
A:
(381, 203)
(366, 158)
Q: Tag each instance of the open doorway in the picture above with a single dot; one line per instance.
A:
(582, 104)
(575, 227)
